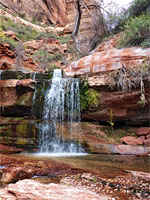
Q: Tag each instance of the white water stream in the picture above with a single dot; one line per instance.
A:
(61, 111)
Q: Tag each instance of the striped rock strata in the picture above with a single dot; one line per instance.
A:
(107, 61)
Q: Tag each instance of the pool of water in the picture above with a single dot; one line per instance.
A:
(105, 165)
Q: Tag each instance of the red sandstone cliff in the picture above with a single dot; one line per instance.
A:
(60, 12)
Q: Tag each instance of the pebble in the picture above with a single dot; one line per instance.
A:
(129, 187)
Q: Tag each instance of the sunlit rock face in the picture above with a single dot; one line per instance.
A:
(49, 11)
(107, 61)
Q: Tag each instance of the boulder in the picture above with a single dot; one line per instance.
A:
(15, 174)
(128, 149)
(148, 136)
(51, 45)
(7, 56)
(29, 189)
(132, 140)
(11, 34)
(147, 142)
(143, 131)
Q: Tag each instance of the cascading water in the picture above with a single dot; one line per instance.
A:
(1, 74)
(61, 109)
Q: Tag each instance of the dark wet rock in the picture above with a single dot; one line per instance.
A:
(19, 132)
(9, 150)
(16, 97)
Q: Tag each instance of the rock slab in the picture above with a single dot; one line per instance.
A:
(31, 190)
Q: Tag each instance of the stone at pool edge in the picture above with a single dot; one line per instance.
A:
(43, 191)
(128, 149)
(9, 149)
(143, 131)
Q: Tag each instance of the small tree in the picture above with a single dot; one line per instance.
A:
(42, 56)
(20, 56)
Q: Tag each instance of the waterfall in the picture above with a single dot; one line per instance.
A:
(1, 74)
(61, 110)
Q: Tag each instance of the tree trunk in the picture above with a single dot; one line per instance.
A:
(77, 24)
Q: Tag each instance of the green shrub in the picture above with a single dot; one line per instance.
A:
(52, 67)
(11, 42)
(24, 33)
(89, 98)
(145, 43)
(22, 15)
(56, 57)
(64, 39)
(138, 7)
(136, 33)
(121, 16)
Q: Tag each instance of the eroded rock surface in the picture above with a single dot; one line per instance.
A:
(31, 190)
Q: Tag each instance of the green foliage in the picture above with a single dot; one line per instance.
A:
(4, 39)
(145, 43)
(142, 101)
(56, 57)
(88, 97)
(136, 33)
(22, 15)
(2, 36)
(11, 42)
(24, 33)
(42, 55)
(138, 7)
(111, 120)
(116, 20)
(64, 39)
(52, 67)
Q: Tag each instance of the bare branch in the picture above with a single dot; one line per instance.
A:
(78, 18)
(77, 4)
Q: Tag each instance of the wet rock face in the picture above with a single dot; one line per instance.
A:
(5, 149)
(124, 107)
(51, 191)
(16, 97)
(18, 132)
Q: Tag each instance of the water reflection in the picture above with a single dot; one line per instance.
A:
(105, 165)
